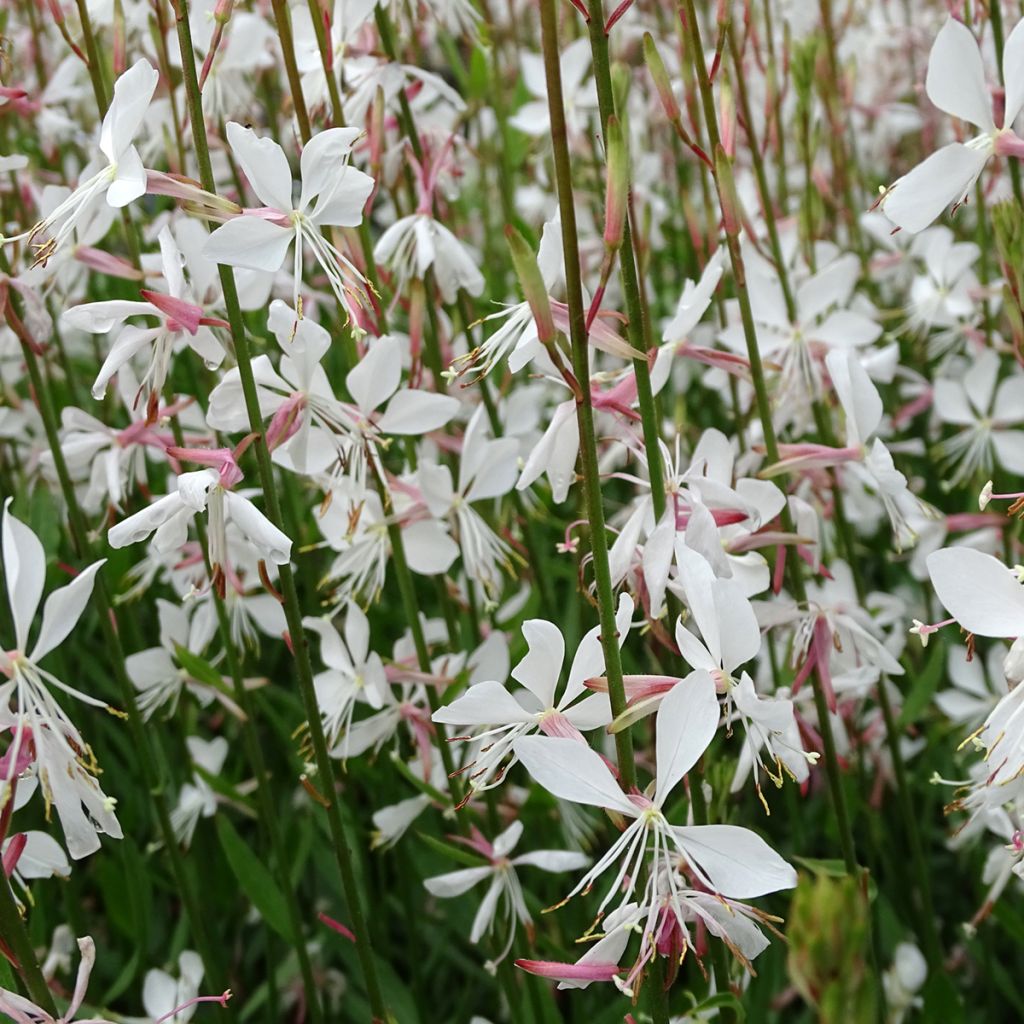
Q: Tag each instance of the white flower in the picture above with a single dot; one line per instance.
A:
(505, 717)
(417, 243)
(180, 320)
(196, 799)
(956, 84)
(487, 469)
(354, 673)
(168, 518)
(986, 412)
(333, 195)
(64, 763)
(504, 881)
(123, 179)
(725, 859)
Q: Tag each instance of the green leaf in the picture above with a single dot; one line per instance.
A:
(832, 868)
(723, 1000)
(455, 853)
(256, 881)
(923, 687)
(198, 668)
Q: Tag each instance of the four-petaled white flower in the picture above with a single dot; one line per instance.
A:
(333, 195)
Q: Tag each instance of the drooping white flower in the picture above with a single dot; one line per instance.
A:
(167, 519)
(181, 321)
(24, 1011)
(64, 763)
(123, 178)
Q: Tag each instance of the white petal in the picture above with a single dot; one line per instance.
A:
(268, 540)
(429, 548)
(63, 609)
(508, 840)
(344, 206)
(100, 317)
(686, 723)
(956, 76)
(132, 94)
(737, 862)
(921, 195)
(140, 525)
(1013, 70)
(572, 771)
(554, 860)
(377, 375)
(978, 591)
(323, 160)
(130, 181)
(130, 341)
(249, 242)
(265, 166)
(357, 633)
(25, 573)
(455, 883)
(485, 913)
(857, 394)
(741, 636)
(540, 667)
(486, 703)
(417, 412)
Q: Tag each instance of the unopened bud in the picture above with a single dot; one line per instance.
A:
(656, 66)
(727, 119)
(525, 262)
(985, 497)
(727, 192)
(617, 184)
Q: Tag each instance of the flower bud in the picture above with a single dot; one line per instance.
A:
(727, 192)
(656, 66)
(534, 289)
(727, 120)
(617, 184)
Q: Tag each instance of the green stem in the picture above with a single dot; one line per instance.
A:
(293, 613)
(638, 327)
(584, 408)
(284, 33)
(15, 935)
(726, 193)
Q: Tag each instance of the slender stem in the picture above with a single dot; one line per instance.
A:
(92, 51)
(584, 407)
(293, 613)
(726, 191)
(15, 935)
(638, 327)
(284, 32)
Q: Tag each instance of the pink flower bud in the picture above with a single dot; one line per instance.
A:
(617, 185)
(656, 66)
